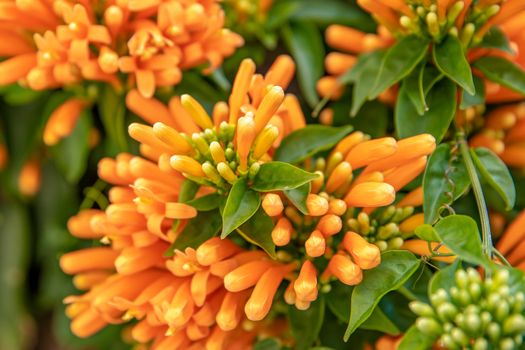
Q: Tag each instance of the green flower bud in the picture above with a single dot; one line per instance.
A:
(493, 331)
(519, 302)
(210, 135)
(429, 326)
(229, 153)
(463, 298)
(461, 278)
(387, 231)
(395, 243)
(480, 344)
(254, 169)
(447, 327)
(382, 245)
(486, 318)
(447, 311)
(492, 301)
(507, 344)
(421, 309)
(488, 284)
(501, 276)
(475, 291)
(472, 324)
(449, 343)
(504, 291)
(502, 310)
(459, 336)
(514, 324)
(387, 214)
(518, 339)
(440, 296)
(200, 143)
(460, 320)
(473, 275)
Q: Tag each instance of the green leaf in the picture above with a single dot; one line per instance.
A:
(338, 300)
(415, 89)
(241, 204)
(72, 152)
(353, 74)
(208, 202)
(298, 197)
(306, 324)
(450, 59)
(415, 340)
(444, 278)
(111, 106)
(496, 39)
(437, 190)
(278, 176)
(460, 234)
(378, 321)
(396, 267)
(427, 233)
(197, 231)
(309, 140)
(503, 72)
(267, 344)
(496, 174)
(305, 42)
(441, 102)
(364, 77)
(258, 231)
(188, 190)
(478, 98)
(398, 62)
(372, 119)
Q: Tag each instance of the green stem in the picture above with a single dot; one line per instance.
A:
(407, 293)
(501, 257)
(478, 194)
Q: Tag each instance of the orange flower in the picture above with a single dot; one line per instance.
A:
(511, 242)
(72, 42)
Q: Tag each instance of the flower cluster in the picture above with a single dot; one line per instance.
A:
(475, 313)
(59, 43)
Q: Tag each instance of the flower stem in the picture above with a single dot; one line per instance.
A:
(478, 194)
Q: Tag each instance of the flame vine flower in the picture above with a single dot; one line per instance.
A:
(431, 48)
(233, 173)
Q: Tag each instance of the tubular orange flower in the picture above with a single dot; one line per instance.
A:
(63, 120)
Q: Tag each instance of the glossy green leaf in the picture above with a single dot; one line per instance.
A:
(415, 89)
(395, 268)
(415, 340)
(398, 62)
(445, 180)
(461, 235)
(241, 204)
(279, 176)
(372, 119)
(450, 59)
(267, 344)
(478, 98)
(111, 107)
(441, 102)
(364, 77)
(198, 230)
(496, 39)
(306, 324)
(444, 278)
(258, 230)
(298, 197)
(71, 153)
(309, 140)
(503, 72)
(496, 174)
(354, 73)
(305, 42)
(188, 190)
(427, 233)
(208, 202)
(380, 322)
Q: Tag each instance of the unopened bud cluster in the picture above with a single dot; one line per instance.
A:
(435, 21)
(474, 314)
(387, 229)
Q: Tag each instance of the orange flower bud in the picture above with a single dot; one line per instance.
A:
(411, 223)
(217, 152)
(185, 164)
(282, 232)
(281, 72)
(63, 120)
(272, 204)
(258, 306)
(316, 205)
(370, 151)
(420, 247)
(246, 276)
(265, 141)
(230, 313)
(172, 138)
(337, 207)
(245, 136)
(330, 224)
(337, 63)
(268, 107)
(99, 258)
(345, 145)
(180, 211)
(80, 224)
(306, 282)
(315, 244)
(29, 178)
(302, 305)
(370, 194)
(413, 199)
(339, 177)
(240, 88)
(342, 267)
(318, 182)
(196, 111)
(215, 249)
(402, 175)
(329, 87)
(365, 255)
(289, 294)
